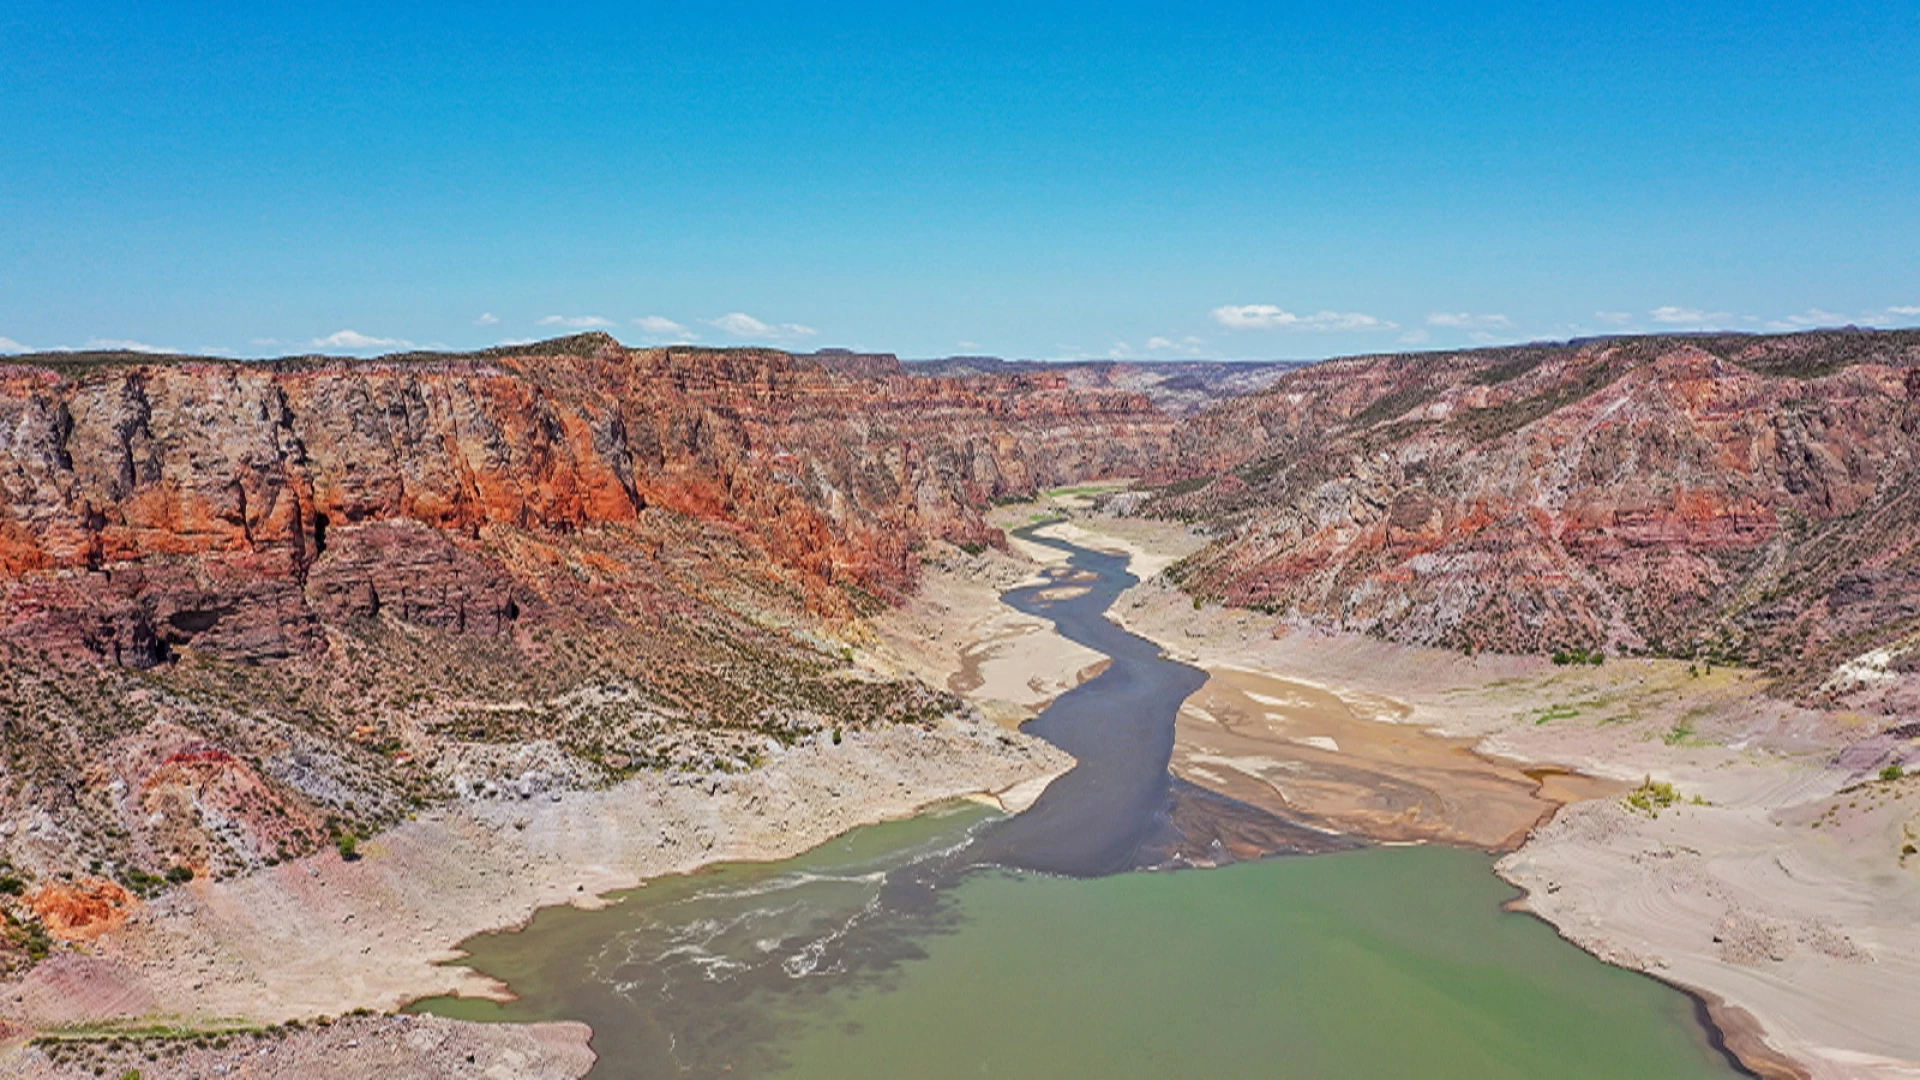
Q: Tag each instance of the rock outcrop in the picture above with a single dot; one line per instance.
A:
(247, 608)
(151, 506)
(1739, 497)
(1177, 387)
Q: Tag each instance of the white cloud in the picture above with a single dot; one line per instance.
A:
(1905, 309)
(1613, 318)
(1269, 317)
(742, 325)
(659, 326)
(353, 339)
(124, 345)
(507, 343)
(264, 341)
(1415, 336)
(968, 344)
(1182, 346)
(487, 318)
(1462, 320)
(1812, 317)
(576, 322)
(1670, 315)
(8, 345)
(1158, 345)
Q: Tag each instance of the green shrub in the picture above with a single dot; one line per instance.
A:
(180, 875)
(1892, 772)
(1577, 655)
(1652, 796)
(349, 846)
(141, 883)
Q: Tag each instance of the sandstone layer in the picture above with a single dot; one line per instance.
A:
(1739, 498)
(248, 610)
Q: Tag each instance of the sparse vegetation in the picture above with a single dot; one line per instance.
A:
(141, 883)
(1579, 655)
(1556, 712)
(1488, 424)
(23, 942)
(1652, 796)
(1892, 772)
(1182, 487)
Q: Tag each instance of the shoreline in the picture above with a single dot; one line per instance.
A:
(1794, 942)
(1639, 891)
(217, 953)
(322, 937)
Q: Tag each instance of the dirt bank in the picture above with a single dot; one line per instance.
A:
(353, 1048)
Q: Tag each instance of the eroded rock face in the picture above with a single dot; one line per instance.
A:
(235, 509)
(1749, 496)
(248, 609)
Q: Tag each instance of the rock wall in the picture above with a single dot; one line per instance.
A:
(249, 608)
(1744, 497)
(152, 506)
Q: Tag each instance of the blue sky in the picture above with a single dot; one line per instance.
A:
(1027, 179)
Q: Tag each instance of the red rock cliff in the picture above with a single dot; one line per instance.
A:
(235, 508)
(1744, 496)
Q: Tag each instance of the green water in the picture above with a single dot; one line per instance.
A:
(1380, 963)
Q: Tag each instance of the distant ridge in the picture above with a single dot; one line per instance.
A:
(1177, 387)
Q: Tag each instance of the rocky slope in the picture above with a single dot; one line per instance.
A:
(1738, 497)
(1176, 387)
(247, 609)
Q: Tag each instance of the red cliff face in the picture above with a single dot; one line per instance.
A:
(1736, 495)
(235, 508)
(247, 607)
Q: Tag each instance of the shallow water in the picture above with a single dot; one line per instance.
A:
(966, 943)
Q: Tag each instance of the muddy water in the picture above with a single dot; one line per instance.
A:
(966, 943)
(1120, 809)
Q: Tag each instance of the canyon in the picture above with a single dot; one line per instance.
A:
(258, 619)
(247, 609)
